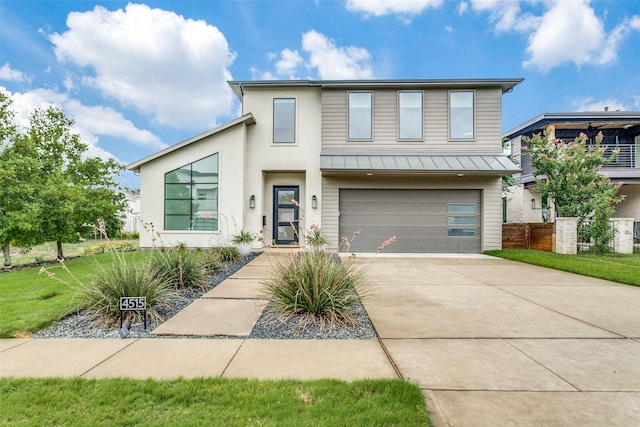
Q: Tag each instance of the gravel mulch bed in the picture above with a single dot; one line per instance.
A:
(78, 326)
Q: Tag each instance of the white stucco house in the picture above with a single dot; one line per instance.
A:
(420, 160)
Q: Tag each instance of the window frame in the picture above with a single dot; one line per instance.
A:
(453, 227)
(294, 120)
(473, 115)
(194, 198)
(355, 138)
(399, 116)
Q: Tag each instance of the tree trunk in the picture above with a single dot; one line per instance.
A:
(60, 256)
(7, 254)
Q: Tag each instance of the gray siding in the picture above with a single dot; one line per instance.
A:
(488, 104)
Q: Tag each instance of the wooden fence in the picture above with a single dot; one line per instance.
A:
(533, 235)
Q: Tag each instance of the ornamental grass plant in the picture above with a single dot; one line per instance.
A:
(315, 285)
(180, 268)
(101, 297)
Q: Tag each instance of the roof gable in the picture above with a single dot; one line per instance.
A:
(247, 120)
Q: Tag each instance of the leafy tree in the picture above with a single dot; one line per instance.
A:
(19, 209)
(49, 188)
(75, 190)
(569, 174)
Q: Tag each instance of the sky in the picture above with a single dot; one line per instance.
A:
(139, 77)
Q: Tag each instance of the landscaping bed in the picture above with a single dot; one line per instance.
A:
(78, 325)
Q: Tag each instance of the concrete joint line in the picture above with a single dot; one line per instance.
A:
(390, 359)
(541, 365)
(232, 357)
(561, 313)
(102, 361)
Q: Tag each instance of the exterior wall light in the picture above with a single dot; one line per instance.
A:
(314, 202)
(533, 203)
(252, 202)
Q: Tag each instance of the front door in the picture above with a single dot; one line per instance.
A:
(285, 215)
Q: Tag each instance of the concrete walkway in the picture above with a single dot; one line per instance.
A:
(489, 341)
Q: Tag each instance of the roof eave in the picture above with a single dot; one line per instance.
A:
(576, 116)
(246, 119)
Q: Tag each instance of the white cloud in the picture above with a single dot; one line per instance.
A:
(610, 51)
(566, 31)
(590, 104)
(289, 62)
(154, 60)
(9, 74)
(90, 121)
(569, 32)
(506, 15)
(333, 62)
(320, 58)
(463, 6)
(391, 7)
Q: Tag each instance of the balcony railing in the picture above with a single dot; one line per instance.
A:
(627, 156)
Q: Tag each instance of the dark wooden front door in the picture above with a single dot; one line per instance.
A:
(285, 215)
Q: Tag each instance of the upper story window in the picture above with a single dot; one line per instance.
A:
(191, 196)
(410, 115)
(284, 120)
(360, 115)
(461, 115)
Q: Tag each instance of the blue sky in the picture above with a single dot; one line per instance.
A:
(137, 77)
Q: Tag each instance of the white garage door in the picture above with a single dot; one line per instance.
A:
(446, 221)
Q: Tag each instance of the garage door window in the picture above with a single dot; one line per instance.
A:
(461, 220)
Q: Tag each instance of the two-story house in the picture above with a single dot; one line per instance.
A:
(420, 160)
(620, 131)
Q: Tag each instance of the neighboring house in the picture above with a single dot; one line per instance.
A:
(620, 130)
(132, 212)
(420, 160)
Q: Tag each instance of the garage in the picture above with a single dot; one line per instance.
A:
(445, 221)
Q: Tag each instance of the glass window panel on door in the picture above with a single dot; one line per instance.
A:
(285, 215)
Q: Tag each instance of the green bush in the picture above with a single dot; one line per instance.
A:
(212, 261)
(227, 253)
(179, 268)
(315, 285)
(110, 246)
(122, 279)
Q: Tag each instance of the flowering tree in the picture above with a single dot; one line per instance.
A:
(569, 174)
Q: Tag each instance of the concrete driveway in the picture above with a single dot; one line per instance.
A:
(495, 342)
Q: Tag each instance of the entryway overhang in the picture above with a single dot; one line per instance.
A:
(486, 164)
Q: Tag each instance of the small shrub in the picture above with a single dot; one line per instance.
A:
(315, 285)
(227, 253)
(179, 268)
(110, 246)
(212, 261)
(101, 297)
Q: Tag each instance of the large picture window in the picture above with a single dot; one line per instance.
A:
(284, 120)
(410, 115)
(360, 115)
(191, 196)
(461, 116)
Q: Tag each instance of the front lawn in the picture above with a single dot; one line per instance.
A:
(211, 401)
(30, 301)
(47, 251)
(614, 267)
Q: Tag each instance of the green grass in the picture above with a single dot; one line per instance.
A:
(211, 401)
(47, 251)
(30, 301)
(614, 267)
